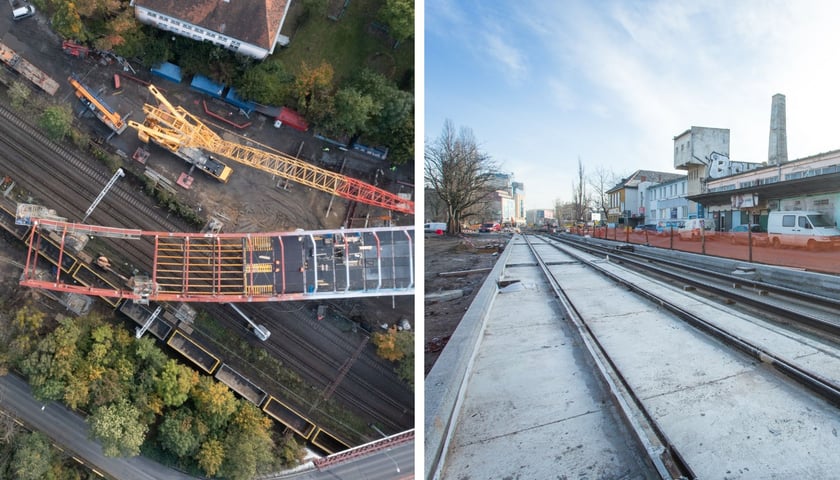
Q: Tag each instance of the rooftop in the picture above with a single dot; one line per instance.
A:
(252, 21)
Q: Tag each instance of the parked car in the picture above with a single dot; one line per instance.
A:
(741, 235)
(489, 227)
(642, 228)
(23, 12)
(801, 228)
(438, 228)
(697, 228)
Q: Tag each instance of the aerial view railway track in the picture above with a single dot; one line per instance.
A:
(44, 168)
(320, 370)
(63, 181)
(709, 376)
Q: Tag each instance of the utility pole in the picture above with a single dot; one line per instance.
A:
(104, 191)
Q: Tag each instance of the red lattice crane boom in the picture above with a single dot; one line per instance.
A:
(174, 128)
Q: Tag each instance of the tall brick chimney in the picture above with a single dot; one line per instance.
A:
(778, 132)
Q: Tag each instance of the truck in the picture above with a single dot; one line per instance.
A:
(27, 70)
(801, 228)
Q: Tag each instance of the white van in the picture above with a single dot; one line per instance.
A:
(801, 228)
(438, 228)
(23, 12)
(697, 228)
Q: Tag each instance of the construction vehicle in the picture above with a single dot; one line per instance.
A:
(72, 48)
(176, 129)
(27, 70)
(205, 163)
(103, 112)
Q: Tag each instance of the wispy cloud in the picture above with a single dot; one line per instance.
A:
(508, 59)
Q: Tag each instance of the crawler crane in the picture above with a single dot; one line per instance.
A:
(175, 128)
(101, 109)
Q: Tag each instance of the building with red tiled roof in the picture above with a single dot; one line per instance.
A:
(249, 27)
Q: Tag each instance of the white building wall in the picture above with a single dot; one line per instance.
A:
(189, 30)
(691, 152)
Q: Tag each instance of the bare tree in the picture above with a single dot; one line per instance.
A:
(601, 182)
(457, 173)
(581, 201)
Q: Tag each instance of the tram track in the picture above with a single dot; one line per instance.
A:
(793, 306)
(745, 331)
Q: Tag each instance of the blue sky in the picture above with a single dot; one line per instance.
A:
(544, 83)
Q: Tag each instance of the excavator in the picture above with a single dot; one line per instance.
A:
(174, 128)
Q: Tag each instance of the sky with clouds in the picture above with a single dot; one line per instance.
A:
(543, 84)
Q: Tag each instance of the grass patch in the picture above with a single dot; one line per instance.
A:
(348, 44)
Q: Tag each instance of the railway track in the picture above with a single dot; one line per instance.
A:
(729, 290)
(697, 384)
(44, 168)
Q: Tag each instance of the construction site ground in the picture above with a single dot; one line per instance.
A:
(447, 254)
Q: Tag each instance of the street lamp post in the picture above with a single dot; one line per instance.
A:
(391, 459)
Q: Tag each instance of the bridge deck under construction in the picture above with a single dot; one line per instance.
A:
(235, 267)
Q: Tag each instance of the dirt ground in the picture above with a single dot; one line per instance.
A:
(453, 254)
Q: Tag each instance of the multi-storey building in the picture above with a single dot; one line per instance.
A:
(627, 205)
(667, 201)
(538, 218)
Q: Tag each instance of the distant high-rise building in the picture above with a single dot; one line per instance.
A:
(778, 132)
(519, 202)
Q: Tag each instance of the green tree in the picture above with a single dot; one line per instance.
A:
(119, 28)
(399, 16)
(291, 452)
(53, 362)
(313, 85)
(405, 367)
(118, 428)
(67, 22)
(26, 324)
(214, 402)
(32, 457)
(175, 382)
(181, 432)
(210, 456)
(56, 121)
(248, 444)
(391, 120)
(402, 142)
(19, 95)
(353, 110)
(150, 45)
(269, 83)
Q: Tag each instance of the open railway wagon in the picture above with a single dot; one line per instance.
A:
(176, 335)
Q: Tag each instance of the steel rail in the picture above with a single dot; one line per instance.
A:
(659, 450)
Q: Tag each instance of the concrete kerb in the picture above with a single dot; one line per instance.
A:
(444, 386)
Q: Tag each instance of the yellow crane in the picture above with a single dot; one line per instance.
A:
(102, 111)
(175, 128)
